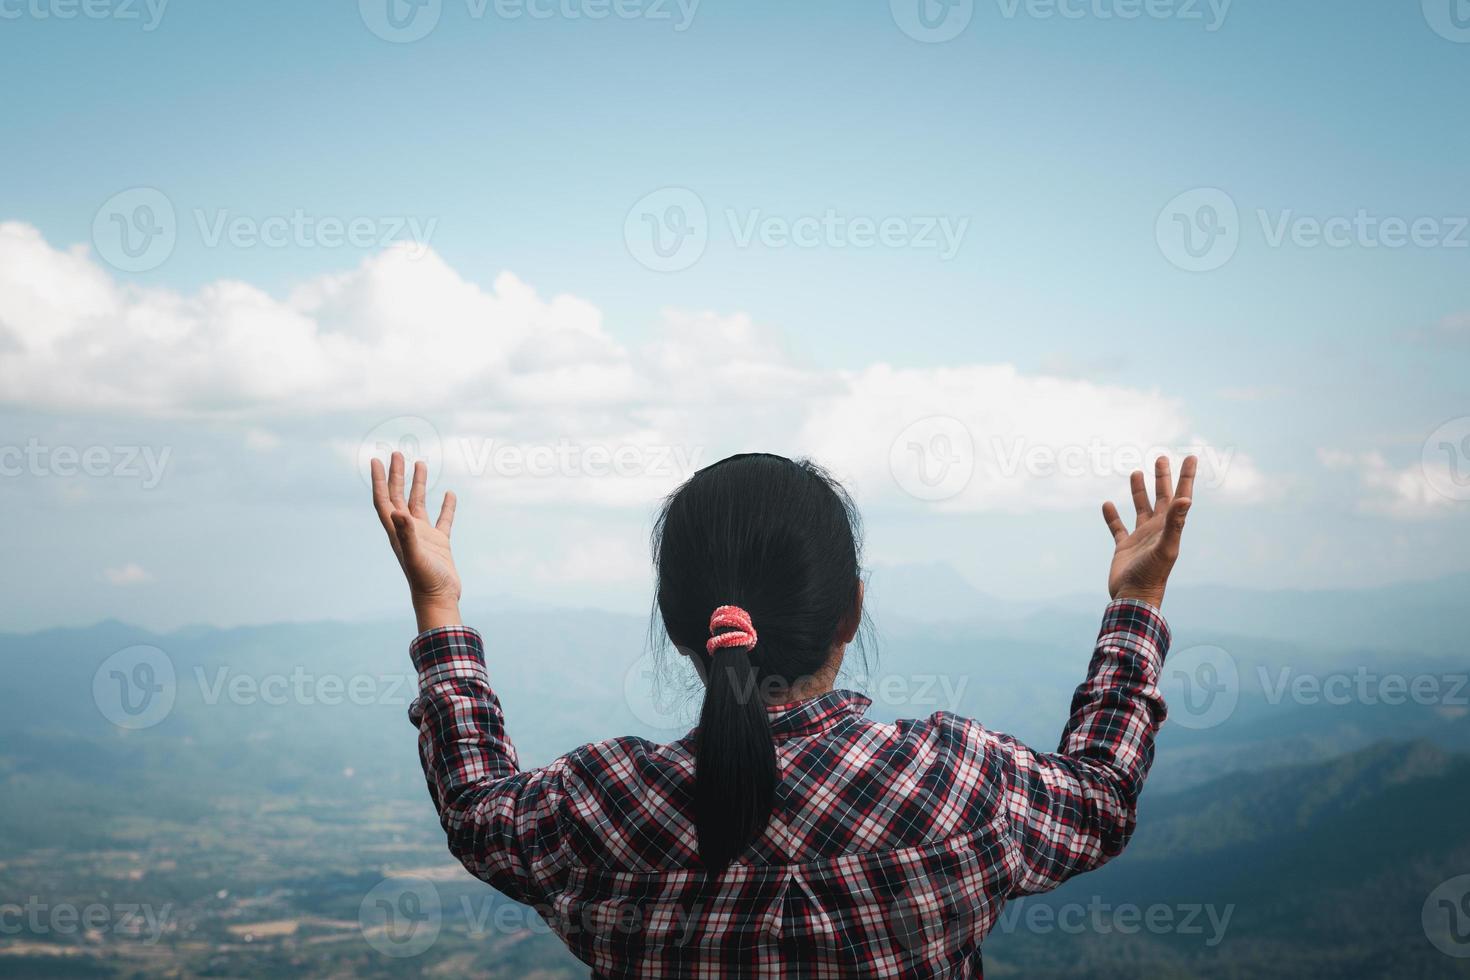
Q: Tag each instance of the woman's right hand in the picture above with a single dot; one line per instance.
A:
(1144, 557)
(422, 548)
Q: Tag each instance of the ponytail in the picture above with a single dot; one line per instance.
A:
(782, 537)
(735, 758)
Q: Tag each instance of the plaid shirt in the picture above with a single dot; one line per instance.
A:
(890, 851)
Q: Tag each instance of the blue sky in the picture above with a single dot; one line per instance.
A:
(1051, 141)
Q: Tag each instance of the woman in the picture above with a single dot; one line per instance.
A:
(786, 835)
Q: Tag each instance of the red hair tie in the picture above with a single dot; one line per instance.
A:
(737, 621)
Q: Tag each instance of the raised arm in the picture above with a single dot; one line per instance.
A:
(506, 826)
(1072, 810)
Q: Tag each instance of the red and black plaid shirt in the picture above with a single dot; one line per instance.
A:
(890, 851)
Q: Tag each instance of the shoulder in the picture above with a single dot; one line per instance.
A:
(961, 748)
(626, 759)
(941, 731)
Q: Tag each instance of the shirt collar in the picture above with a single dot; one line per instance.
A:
(813, 716)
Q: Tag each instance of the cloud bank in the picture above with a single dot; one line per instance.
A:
(531, 398)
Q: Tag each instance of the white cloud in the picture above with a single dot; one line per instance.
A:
(1407, 493)
(505, 379)
(987, 437)
(130, 574)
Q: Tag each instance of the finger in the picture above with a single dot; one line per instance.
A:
(418, 496)
(1174, 526)
(395, 481)
(403, 527)
(446, 512)
(380, 496)
(1186, 477)
(1115, 522)
(1140, 496)
(1163, 482)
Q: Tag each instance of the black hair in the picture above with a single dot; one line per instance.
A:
(781, 539)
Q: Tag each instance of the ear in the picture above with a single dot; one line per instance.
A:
(848, 628)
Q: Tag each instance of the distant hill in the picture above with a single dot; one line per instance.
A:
(1314, 871)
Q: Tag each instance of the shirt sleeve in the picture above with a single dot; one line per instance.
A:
(507, 827)
(1073, 810)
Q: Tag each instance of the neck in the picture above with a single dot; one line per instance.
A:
(811, 686)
